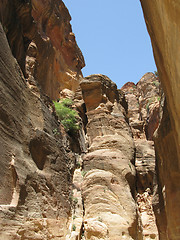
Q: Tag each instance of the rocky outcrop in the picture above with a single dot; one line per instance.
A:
(41, 39)
(109, 165)
(143, 105)
(143, 111)
(36, 164)
(110, 194)
(162, 19)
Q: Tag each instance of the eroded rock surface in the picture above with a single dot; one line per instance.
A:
(41, 39)
(110, 195)
(109, 171)
(144, 113)
(36, 170)
(143, 105)
(162, 20)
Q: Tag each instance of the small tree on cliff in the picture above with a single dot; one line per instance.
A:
(67, 115)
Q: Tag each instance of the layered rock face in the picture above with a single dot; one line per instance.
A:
(119, 166)
(109, 171)
(143, 111)
(41, 39)
(143, 105)
(110, 194)
(162, 19)
(36, 170)
(36, 160)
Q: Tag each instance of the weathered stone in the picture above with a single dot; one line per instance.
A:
(108, 167)
(143, 105)
(145, 164)
(35, 167)
(58, 60)
(143, 112)
(162, 19)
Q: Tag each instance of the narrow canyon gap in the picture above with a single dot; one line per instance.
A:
(102, 181)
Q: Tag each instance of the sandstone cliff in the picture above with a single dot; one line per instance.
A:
(40, 37)
(36, 168)
(39, 56)
(162, 19)
(114, 185)
(99, 183)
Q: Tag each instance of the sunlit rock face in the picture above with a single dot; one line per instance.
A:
(113, 187)
(109, 171)
(143, 100)
(143, 105)
(162, 19)
(36, 170)
(56, 60)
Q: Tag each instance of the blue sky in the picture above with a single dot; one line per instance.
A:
(113, 38)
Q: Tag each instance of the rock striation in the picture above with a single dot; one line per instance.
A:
(36, 165)
(109, 164)
(40, 37)
(162, 20)
(143, 105)
(144, 113)
(106, 181)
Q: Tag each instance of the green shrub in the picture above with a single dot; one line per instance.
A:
(75, 201)
(83, 173)
(67, 115)
(74, 227)
(156, 73)
(156, 83)
(159, 98)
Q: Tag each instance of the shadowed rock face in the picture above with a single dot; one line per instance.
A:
(57, 61)
(162, 19)
(36, 161)
(35, 172)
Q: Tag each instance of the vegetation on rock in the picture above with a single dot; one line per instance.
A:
(67, 115)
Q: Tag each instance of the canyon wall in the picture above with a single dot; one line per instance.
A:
(97, 184)
(40, 37)
(36, 164)
(38, 58)
(162, 20)
(113, 185)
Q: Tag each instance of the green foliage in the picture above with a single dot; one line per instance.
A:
(156, 83)
(67, 115)
(153, 99)
(75, 200)
(74, 217)
(83, 173)
(159, 98)
(156, 73)
(130, 166)
(78, 164)
(74, 227)
(55, 131)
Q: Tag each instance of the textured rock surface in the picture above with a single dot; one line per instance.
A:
(143, 112)
(143, 105)
(109, 171)
(56, 60)
(111, 197)
(162, 19)
(35, 167)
